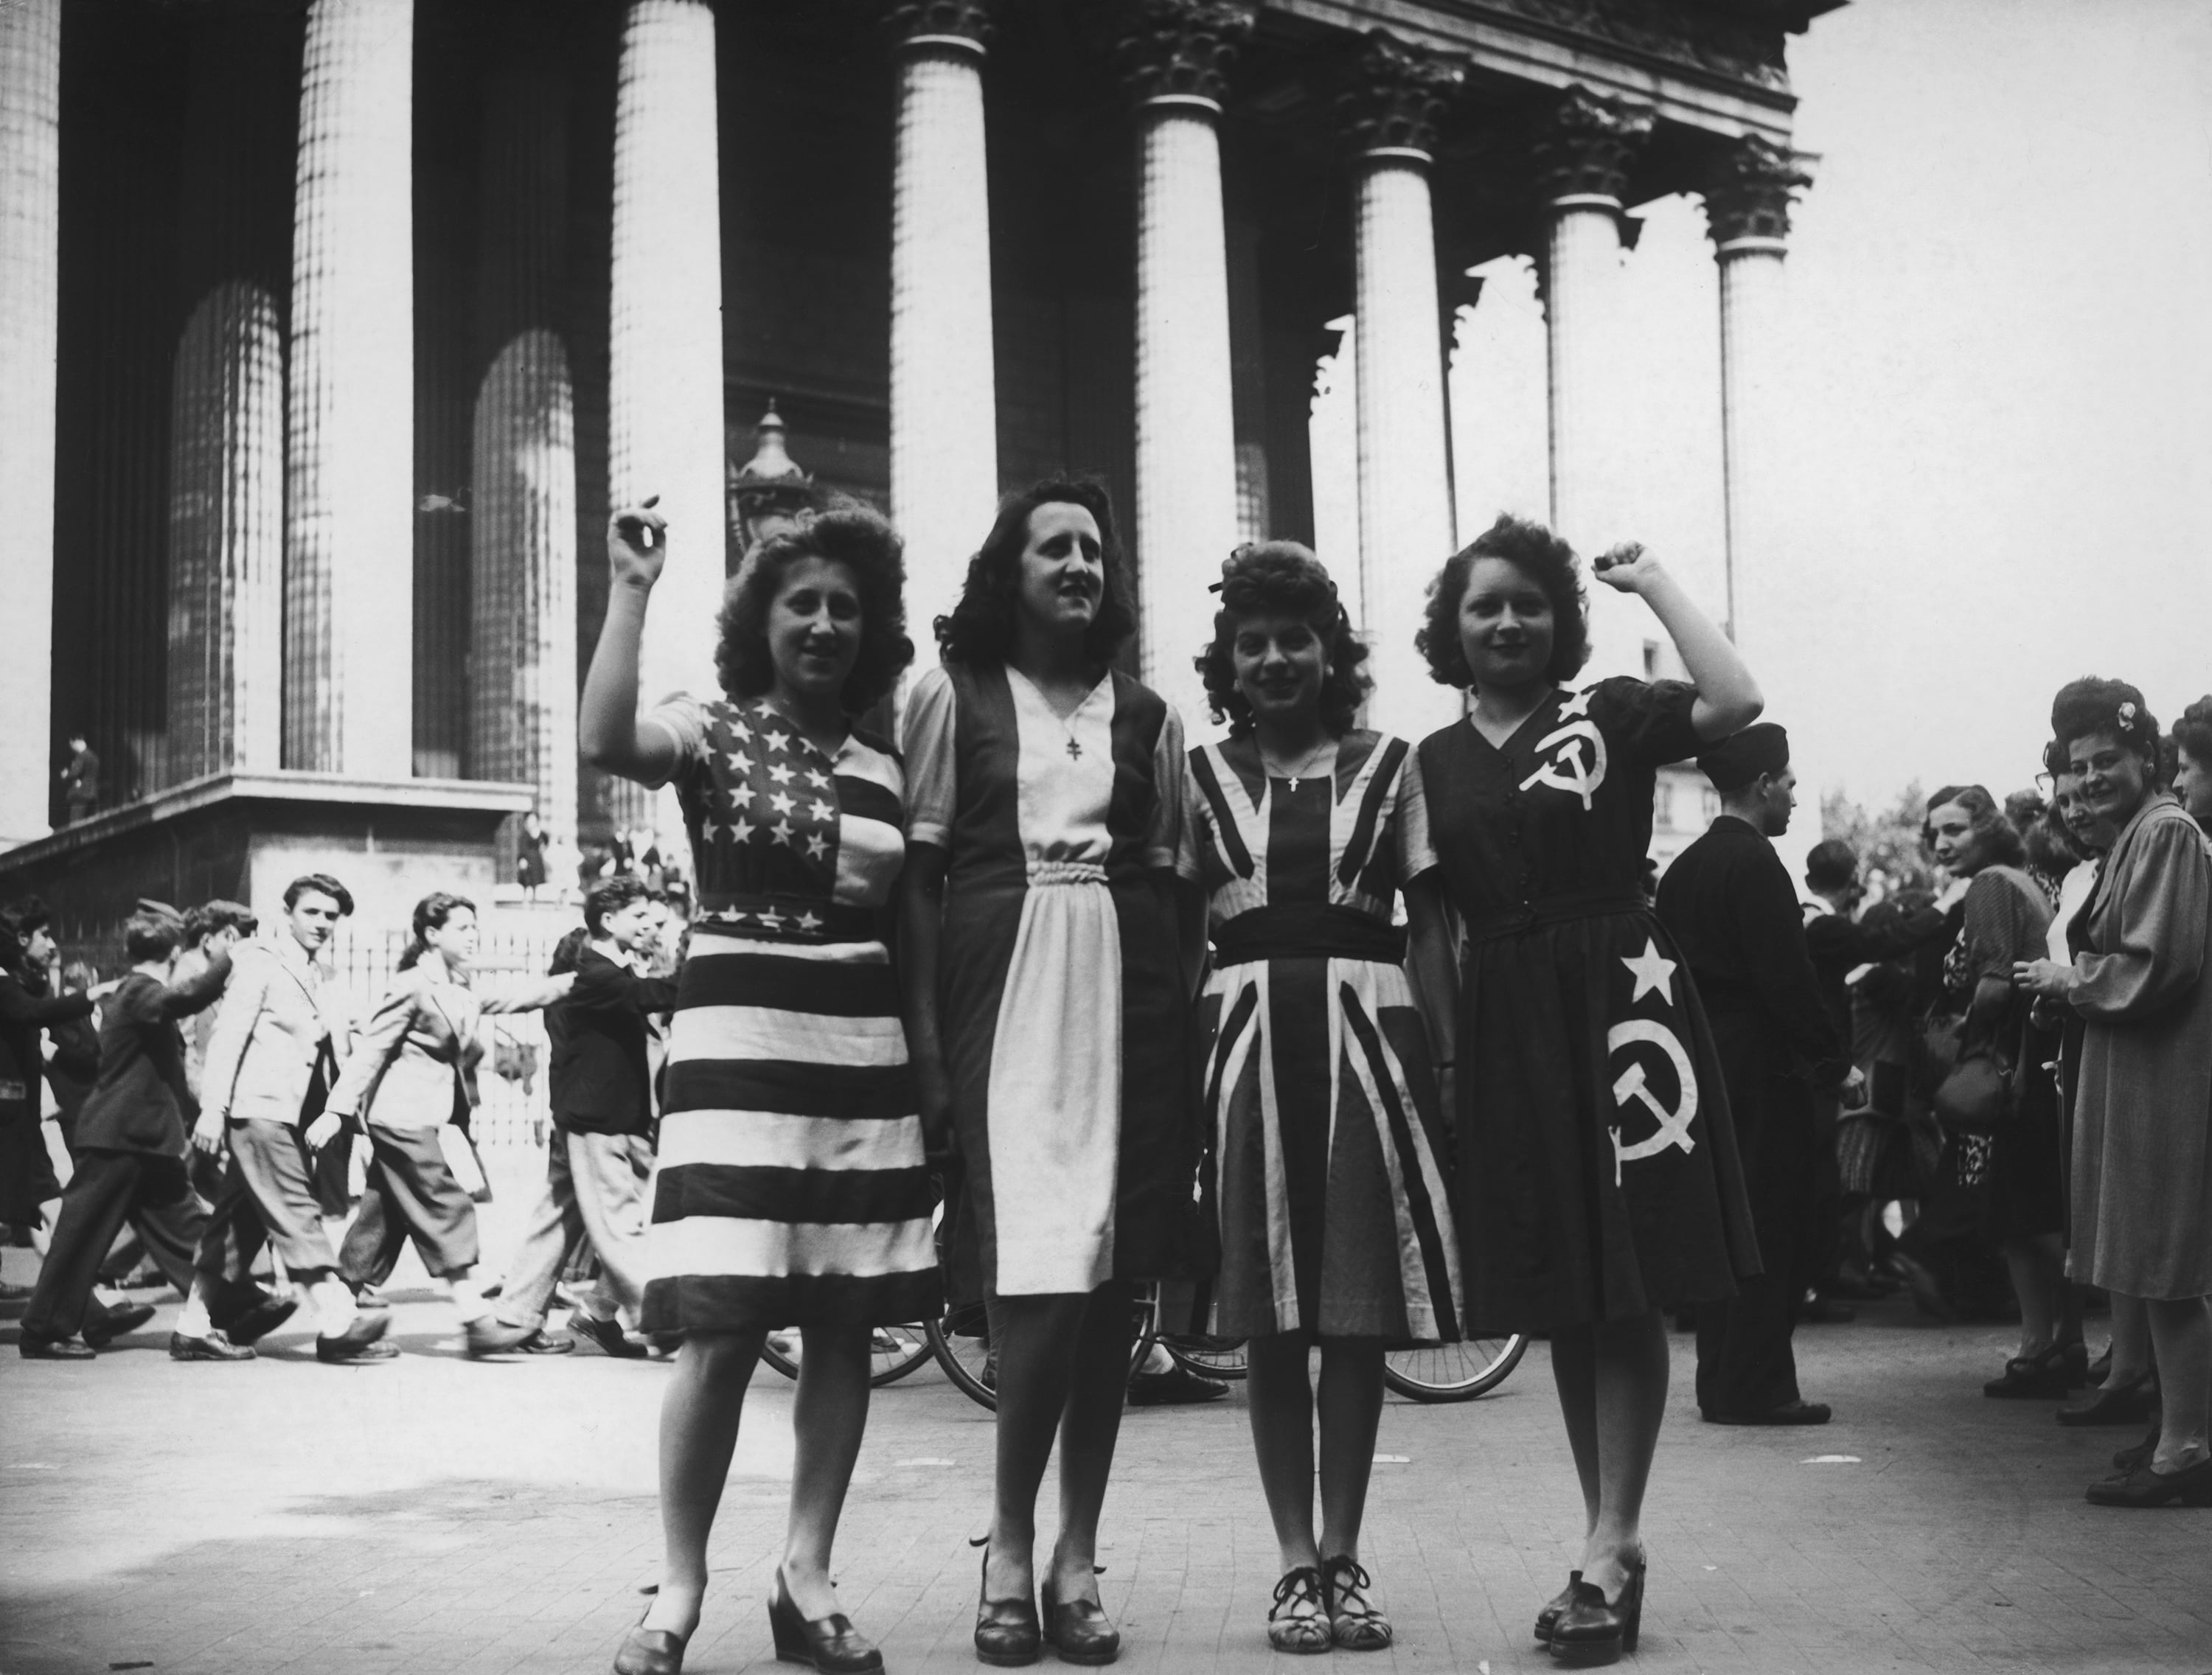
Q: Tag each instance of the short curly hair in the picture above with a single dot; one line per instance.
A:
(2092, 705)
(980, 627)
(1281, 578)
(2193, 732)
(1999, 837)
(1539, 555)
(849, 534)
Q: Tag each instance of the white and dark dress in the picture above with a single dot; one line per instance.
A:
(1061, 1000)
(789, 1189)
(1327, 1144)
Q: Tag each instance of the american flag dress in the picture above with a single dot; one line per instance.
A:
(789, 1188)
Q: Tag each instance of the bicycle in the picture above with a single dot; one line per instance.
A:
(961, 1339)
(1442, 1373)
(895, 1352)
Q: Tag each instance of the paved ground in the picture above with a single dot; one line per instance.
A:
(437, 1514)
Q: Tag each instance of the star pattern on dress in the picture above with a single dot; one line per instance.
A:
(771, 791)
(1579, 705)
(1652, 970)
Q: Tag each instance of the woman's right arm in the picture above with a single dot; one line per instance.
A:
(372, 1050)
(921, 914)
(1432, 967)
(607, 730)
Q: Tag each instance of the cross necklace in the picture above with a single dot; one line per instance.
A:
(1304, 767)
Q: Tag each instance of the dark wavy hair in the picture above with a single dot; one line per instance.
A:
(849, 534)
(568, 952)
(1998, 837)
(1540, 556)
(431, 913)
(2091, 704)
(323, 884)
(18, 920)
(1281, 578)
(980, 628)
(2193, 732)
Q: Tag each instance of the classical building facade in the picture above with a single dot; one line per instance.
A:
(330, 331)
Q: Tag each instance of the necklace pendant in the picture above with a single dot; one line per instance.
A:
(1074, 750)
(1294, 785)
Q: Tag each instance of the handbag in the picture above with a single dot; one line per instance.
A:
(1973, 1090)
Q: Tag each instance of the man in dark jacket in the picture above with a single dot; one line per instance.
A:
(601, 1079)
(1729, 903)
(131, 1144)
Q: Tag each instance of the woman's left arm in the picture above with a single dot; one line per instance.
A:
(1729, 699)
(531, 997)
(2159, 945)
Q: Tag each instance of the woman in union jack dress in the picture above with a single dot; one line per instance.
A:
(1327, 1142)
(790, 1188)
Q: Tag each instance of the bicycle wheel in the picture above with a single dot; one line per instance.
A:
(1454, 1372)
(1209, 1357)
(960, 1339)
(894, 1352)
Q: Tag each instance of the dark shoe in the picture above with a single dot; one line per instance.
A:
(611, 1337)
(542, 1342)
(1176, 1386)
(1548, 1618)
(1353, 1623)
(489, 1335)
(2192, 1486)
(362, 1340)
(1007, 1633)
(216, 1346)
(1299, 1620)
(1589, 1630)
(264, 1317)
(117, 1323)
(1789, 1413)
(2129, 1404)
(831, 1643)
(2039, 1376)
(650, 1651)
(1078, 1629)
(2126, 1460)
(33, 1347)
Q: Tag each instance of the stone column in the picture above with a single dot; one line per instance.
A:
(664, 341)
(30, 315)
(522, 529)
(1583, 161)
(1748, 212)
(1176, 59)
(1405, 475)
(944, 424)
(349, 522)
(226, 598)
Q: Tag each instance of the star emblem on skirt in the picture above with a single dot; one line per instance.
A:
(1652, 970)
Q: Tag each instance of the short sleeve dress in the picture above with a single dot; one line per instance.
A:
(1327, 1144)
(1598, 1177)
(1066, 1026)
(790, 1188)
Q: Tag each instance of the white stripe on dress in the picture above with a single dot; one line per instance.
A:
(756, 1249)
(713, 944)
(773, 1140)
(798, 1038)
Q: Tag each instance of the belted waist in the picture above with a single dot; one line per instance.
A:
(1043, 873)
(1547, 910)
(788, 919)
(1311, 930)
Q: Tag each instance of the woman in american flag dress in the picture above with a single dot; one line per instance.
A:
(790, 1188)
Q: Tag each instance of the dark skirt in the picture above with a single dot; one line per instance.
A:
(2027, 1157)
(1598, 1175)
(27, 1169)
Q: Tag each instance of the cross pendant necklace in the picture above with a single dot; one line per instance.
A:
(1074, 750)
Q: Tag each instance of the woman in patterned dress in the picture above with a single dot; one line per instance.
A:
(1049, 974)
(1598, 1177)
(1336, 1224)
(790, 1189)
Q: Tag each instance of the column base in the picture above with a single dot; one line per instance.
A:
(245, 836)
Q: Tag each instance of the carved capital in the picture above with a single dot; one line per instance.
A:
(912, 20)
(1749, 189)
(1399, 95)
(1587, 145)
(1183, 49)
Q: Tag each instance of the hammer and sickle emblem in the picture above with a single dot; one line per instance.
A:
(1674, 1128)
(1570, 770)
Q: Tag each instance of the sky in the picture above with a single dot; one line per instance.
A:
(1997, 439)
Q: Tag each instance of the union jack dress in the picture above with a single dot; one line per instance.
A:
(1328, 1143)
(790, 1188)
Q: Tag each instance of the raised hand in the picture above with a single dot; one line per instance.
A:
(1628, 567)
(637, 544)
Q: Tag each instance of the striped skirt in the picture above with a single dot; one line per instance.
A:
(790, 1189)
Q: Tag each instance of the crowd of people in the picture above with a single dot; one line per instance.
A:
(1368, 1041)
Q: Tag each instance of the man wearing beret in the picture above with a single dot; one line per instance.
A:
(1731, 906)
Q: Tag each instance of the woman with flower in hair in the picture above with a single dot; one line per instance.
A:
(1326, 1132)
(2143, 1114)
